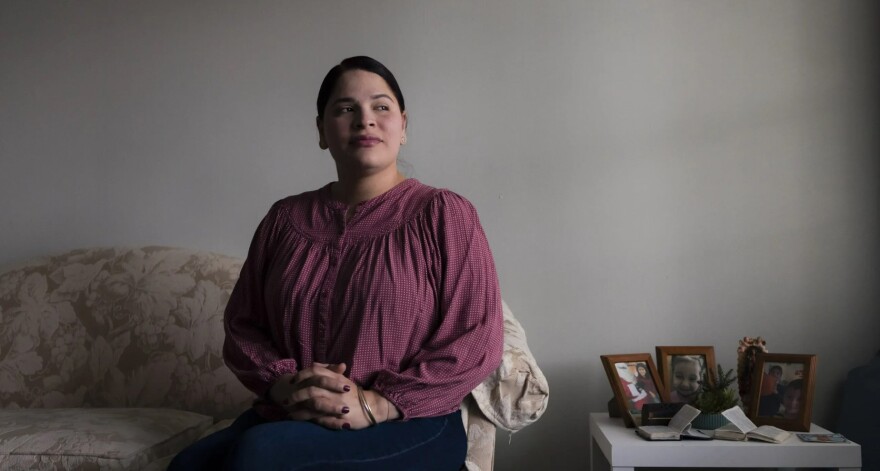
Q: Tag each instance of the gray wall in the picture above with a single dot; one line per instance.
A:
(648, 173)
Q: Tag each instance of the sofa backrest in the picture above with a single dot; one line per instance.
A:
(118, 327)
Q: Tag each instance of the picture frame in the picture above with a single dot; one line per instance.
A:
(699, 361)
(782, 390)
(635, 382)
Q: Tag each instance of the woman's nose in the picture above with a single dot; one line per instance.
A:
(364, 118)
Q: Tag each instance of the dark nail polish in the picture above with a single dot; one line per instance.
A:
(346, 388)
(345, 410)
(346, 426)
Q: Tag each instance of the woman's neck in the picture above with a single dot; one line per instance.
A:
(352, 191)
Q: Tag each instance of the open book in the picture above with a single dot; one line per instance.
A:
(741, 428)
(679, 427)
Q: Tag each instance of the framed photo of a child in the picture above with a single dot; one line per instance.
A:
(685, 369)
(782, 391)
(635, 382)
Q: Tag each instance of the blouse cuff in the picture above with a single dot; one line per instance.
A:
(394, 399)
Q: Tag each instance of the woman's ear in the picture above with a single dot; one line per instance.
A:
(322, 142)
(403, 138)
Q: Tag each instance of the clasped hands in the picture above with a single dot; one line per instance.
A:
(323, 395)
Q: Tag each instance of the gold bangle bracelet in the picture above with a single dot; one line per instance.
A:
(366, 407)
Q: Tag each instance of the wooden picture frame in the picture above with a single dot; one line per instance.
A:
(635, 382)
(782, 391)
(697, 360)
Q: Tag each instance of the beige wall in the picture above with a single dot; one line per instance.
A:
(668, 172)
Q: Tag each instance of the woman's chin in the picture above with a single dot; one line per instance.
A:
(365, 162)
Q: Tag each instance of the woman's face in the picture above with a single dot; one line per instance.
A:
(642, 371)
(362, 125)
(686, 378)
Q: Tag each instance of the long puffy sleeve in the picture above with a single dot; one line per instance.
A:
(467, 343)
(249, 349)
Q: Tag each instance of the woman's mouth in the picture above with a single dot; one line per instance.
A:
(366, 141)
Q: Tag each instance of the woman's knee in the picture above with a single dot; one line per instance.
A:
(265, 446)
(195, 458)
(209, 452)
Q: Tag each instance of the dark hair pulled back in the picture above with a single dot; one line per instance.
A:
(356, 63)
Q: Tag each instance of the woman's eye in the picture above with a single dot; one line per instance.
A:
(383, 107)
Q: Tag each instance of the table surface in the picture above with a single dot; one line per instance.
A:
(623, 449)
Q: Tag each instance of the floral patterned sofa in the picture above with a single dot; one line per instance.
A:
(111, 359)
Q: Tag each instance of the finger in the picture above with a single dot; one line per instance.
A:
(323, 400)
(303, 414)
(302, 375)
(313, 410)
(317, 369)
(333, 382)
(310, 392)
(327, 405)
(334, 423)
(310, 384)
(343, 384)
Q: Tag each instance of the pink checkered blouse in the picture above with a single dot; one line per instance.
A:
(405, 293)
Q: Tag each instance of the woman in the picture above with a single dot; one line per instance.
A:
(645, 383)
(365, 311)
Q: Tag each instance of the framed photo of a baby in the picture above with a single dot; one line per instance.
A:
(685, 369)
(635, 382)
(782, 391)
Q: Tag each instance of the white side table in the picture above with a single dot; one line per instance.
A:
(618, 448)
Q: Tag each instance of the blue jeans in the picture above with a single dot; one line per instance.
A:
(251, 442)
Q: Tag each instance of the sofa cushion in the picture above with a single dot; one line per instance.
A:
(93, 439)
(119, 327)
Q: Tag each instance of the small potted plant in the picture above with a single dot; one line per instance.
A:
(715, 397)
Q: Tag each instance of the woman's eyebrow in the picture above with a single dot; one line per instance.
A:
(348, 99)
